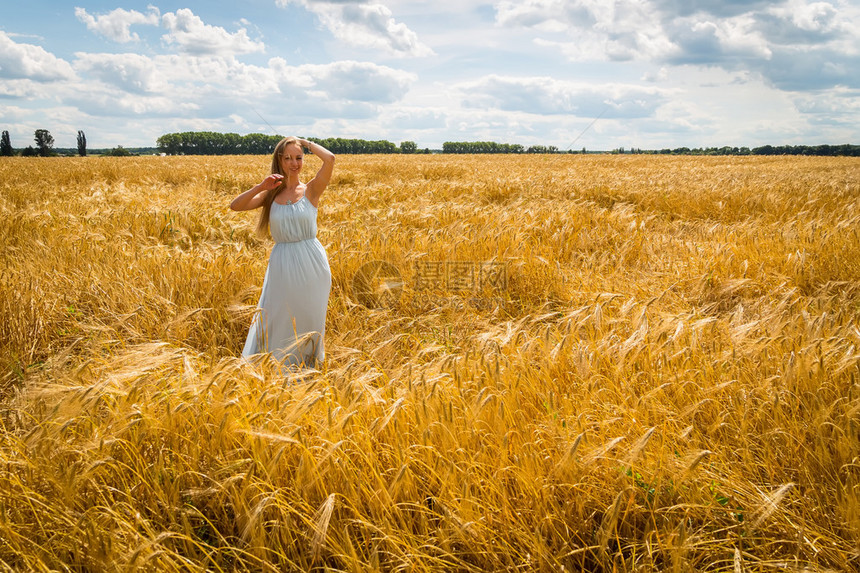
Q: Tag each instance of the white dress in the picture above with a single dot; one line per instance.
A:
(290, 319)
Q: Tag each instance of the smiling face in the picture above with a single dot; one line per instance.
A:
(291, 159)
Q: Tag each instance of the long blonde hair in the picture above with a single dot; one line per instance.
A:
(263, 223)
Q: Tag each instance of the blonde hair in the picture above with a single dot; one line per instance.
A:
(263, 223)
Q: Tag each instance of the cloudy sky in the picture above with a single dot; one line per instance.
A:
(571, 73)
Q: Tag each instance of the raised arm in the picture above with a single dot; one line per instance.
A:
(256, 195)
(317, 185)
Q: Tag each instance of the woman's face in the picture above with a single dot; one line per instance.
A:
(291, 159)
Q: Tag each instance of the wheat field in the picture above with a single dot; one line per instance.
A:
(572, 363)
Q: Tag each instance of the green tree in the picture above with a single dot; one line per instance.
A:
(481, 147)
(45, 142)
(119, 151)
(408, 147)
(259, 143)
(82, 144)
(213, 143)
(6, 145)
(169, 143)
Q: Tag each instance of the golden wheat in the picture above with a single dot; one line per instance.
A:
(668, 378)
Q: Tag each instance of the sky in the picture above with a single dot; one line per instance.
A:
(575, 74)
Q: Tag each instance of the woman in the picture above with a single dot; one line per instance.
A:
(290, 322)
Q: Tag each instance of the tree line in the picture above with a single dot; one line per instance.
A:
(214, 143)
(45, 146)
(493, 147)
(818, 150)
(825, 150)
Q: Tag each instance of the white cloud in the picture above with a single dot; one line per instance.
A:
(19, 89)
(415, 118)
(618, 31)
(116, 25)
(163, 86)
(840, 103)
(27, 61)
(365, 24)
(191, 35)
(815, 45)
(131, 72)
(800, 68)
(546, 14)
(549, 96)
(800, 22)
(12, 113)
(637, 30)
(128, 85)
(345, 80)
(818, 17)
(718, 8)
(726, 41)
(795, 44)
(714, 107)
(227, 75)
(185, 30)
(115, 103)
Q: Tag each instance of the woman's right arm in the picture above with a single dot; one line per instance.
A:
(256, 195)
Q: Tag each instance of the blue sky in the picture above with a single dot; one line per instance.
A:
(657, 73)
